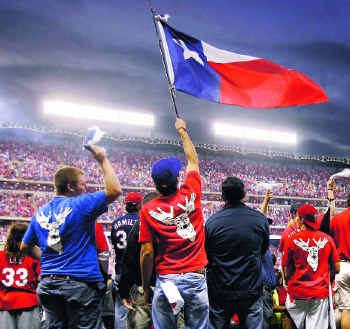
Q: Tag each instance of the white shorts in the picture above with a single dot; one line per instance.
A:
(342, 282)
(309, 313)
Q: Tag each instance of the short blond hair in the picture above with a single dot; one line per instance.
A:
(64, 176)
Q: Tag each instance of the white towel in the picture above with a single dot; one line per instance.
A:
(173, 295)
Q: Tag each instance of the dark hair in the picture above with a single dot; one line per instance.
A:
(149, 197)
(14, 236)
(279, 277)
(348, 199)
(65, 176)
(131, 207)
(232, 190)
(167, 188)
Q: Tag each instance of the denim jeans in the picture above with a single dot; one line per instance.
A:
(250, 313)
(193, 289)
(121, 312)
(70, 304)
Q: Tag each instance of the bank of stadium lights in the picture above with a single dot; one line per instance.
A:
(88, 112)
(254, 133)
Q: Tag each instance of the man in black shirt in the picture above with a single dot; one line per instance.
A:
(119, 234)
(130, 288)
(237, 237)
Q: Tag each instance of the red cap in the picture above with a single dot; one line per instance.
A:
(308, 214)
(134, 197)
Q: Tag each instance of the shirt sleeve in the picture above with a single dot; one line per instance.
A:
(286, 254)
(145, 234)
(30, 237)
(93, 204)
(101, 242)
(193, 182)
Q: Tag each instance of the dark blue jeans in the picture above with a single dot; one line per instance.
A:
(250, 313)
(70, 304)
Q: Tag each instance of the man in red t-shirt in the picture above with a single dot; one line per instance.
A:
(19, 276)
(309, 258)
(172, 236)
(340, 231)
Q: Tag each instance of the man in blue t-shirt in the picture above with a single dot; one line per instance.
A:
(119, 234)
(62, 235)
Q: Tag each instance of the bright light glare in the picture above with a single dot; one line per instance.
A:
(254, 133)
(82, 112)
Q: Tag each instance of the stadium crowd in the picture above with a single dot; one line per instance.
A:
(38, 162)
(26, 172)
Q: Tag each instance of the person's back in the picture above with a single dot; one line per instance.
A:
(340, 231)
(19, 277)
(311, 253)
(235, 239)
(65, 233)
(179, 233)
(121, 228)
(172, 237)
(62, 235)
(308, 261)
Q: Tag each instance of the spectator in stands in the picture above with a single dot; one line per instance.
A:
(19, 276)
(172, 233)
(340, 230)
(71, 285)
(237, 237)
(121, 227)
(309, 258)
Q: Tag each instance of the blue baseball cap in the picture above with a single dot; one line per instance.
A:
(166, 171)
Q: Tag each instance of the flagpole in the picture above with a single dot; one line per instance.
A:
(171, 87)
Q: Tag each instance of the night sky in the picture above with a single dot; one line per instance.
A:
(105, 53)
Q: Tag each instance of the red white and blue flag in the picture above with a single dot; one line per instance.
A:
(204, 71)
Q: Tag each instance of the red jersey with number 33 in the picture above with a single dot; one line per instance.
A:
(18, 282)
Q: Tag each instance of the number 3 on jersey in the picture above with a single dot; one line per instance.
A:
(122, 236)
(18, 277)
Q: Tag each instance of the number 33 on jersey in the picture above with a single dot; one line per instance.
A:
(18, 282)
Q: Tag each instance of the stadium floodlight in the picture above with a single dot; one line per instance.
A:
(89, 112)
(224, 129)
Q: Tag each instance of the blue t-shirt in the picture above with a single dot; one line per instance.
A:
(119, 234)
(64, 229)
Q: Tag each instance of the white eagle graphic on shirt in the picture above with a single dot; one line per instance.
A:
(184, 227)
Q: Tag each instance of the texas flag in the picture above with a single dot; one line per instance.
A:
(204, 71)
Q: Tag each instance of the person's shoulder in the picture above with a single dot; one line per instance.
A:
(253, 212)
(214, 217)
(160, 200)
(118, 219)
(341, 215)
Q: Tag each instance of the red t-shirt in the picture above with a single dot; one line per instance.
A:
(340, 231)
(101, 242)
(309, 253)
(286, 234)
(18, 282)
(176, 227)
